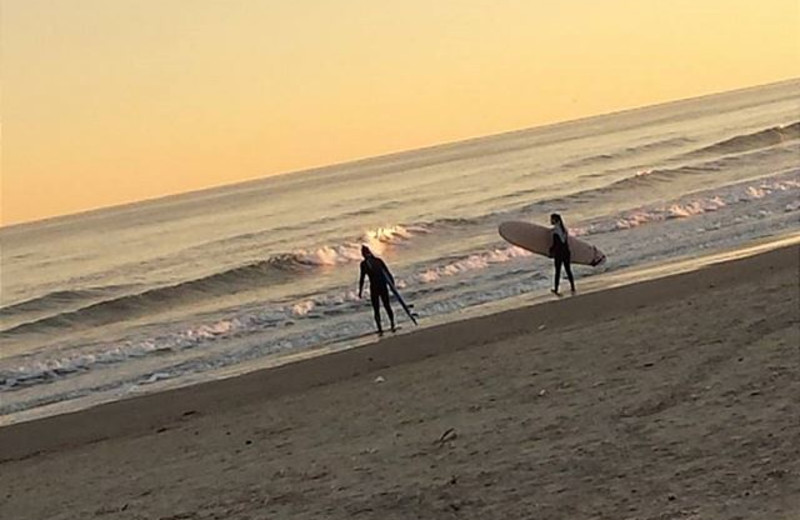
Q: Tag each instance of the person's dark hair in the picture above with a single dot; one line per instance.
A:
(365, 251)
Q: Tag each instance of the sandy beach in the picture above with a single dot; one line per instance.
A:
(675, 398)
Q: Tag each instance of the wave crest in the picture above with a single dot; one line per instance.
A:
(376, 239)
(744, 143)
(276, 269)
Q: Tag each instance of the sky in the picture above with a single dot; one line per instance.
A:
(107, 102)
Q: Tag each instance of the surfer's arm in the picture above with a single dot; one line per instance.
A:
(361, 280)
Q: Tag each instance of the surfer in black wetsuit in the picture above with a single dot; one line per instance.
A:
(379, 278)
(560, 251)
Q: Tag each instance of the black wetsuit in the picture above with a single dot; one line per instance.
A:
(379, 277)
(561, 254)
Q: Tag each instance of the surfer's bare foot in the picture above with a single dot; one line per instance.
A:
(555, 292)
(393, 329)
(380, 333)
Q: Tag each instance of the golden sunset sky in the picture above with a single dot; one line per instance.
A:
(112, 101)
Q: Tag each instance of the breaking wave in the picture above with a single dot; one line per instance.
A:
(697, 204)
(276, 269)
(31, 371)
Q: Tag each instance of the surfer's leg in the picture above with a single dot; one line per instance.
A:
(376, 308)
(568, 269)
(558, 273)
(388, 306)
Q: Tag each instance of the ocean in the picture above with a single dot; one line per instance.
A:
(104, 305)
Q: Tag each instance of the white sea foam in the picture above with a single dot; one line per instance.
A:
(376, 239)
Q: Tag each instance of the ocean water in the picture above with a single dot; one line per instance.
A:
(103, 305)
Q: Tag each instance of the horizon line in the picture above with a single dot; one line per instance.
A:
(366, 158)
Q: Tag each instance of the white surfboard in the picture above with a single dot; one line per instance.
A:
(538, 239)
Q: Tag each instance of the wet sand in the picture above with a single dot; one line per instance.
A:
(671, 398)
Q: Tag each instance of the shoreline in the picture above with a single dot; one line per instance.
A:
(326, 365)
(590, 284)
(396, 154)
(671, 398)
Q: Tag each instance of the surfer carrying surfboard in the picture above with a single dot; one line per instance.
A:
(553, 242)
(379, 279)
(560, 252)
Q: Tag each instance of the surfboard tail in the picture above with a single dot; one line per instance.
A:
(399, 298)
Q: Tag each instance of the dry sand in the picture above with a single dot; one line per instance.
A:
(670, 399)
